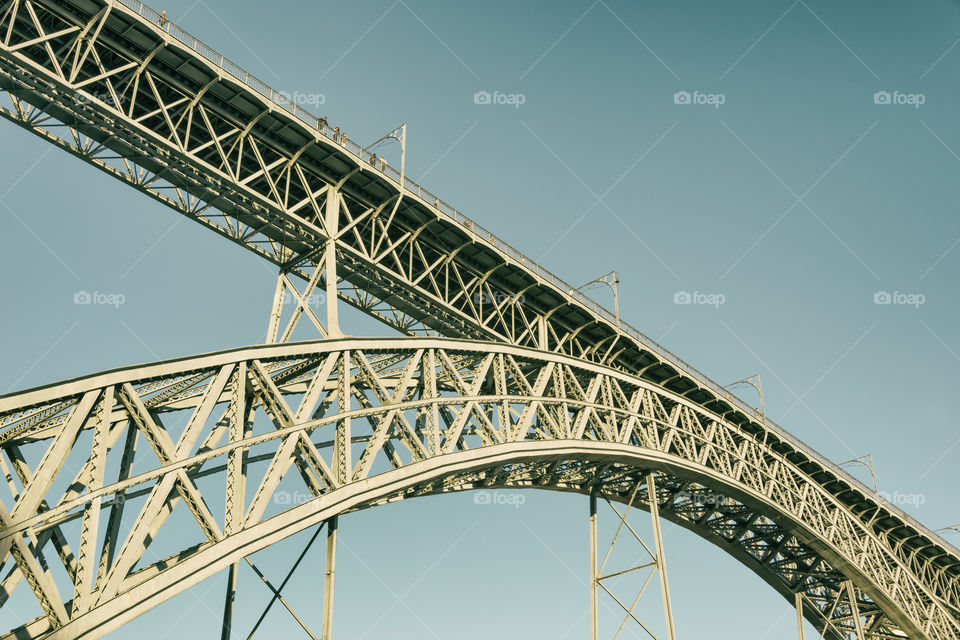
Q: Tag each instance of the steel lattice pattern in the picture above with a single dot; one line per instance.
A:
(146, 103)
(357, 423)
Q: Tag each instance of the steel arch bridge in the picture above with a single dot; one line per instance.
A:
(507, 376)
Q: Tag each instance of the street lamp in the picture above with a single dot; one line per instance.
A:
(753, 381)
(400, 135)
(611, 280)
(866, 461)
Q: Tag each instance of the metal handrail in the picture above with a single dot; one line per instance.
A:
(477, 232)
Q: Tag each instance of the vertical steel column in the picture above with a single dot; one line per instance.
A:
(855, 610)
(799, 601)
(594, 609)
(326, 632)
(332, 224)
(276, 311)
(237, 428)
(228, 603)
(661, 559)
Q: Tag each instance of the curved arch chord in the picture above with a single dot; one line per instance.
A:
(358, 422)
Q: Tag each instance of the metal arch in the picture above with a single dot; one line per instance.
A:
(440, 415)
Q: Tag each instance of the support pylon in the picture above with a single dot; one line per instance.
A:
(657, 564)
(326, 632)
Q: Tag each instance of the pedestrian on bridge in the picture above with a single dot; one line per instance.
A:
(163, 19)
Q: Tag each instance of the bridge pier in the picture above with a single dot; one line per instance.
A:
(657, 563)
(326, 632)
(799, 604)
(661, 557)
(594, 575)
(229, 600)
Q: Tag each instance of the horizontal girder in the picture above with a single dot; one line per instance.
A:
(357, 422)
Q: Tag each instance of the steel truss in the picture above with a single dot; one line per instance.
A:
(114, 84)
(144, 102)
(356, 423)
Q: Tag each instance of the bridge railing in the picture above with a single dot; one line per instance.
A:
(476, 231)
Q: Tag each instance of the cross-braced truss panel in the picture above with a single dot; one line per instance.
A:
(250, 446)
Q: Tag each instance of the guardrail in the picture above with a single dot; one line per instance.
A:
(479, 233)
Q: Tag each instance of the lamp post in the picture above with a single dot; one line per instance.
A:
(400, 135)
(611, 280)
(866, 461)
(753, 381)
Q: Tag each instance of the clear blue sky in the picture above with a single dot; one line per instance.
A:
(797, 200)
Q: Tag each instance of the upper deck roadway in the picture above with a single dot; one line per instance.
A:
(113, 83)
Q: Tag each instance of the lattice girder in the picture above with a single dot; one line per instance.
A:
(354, 423)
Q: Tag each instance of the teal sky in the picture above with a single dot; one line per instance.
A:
(797, 200)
